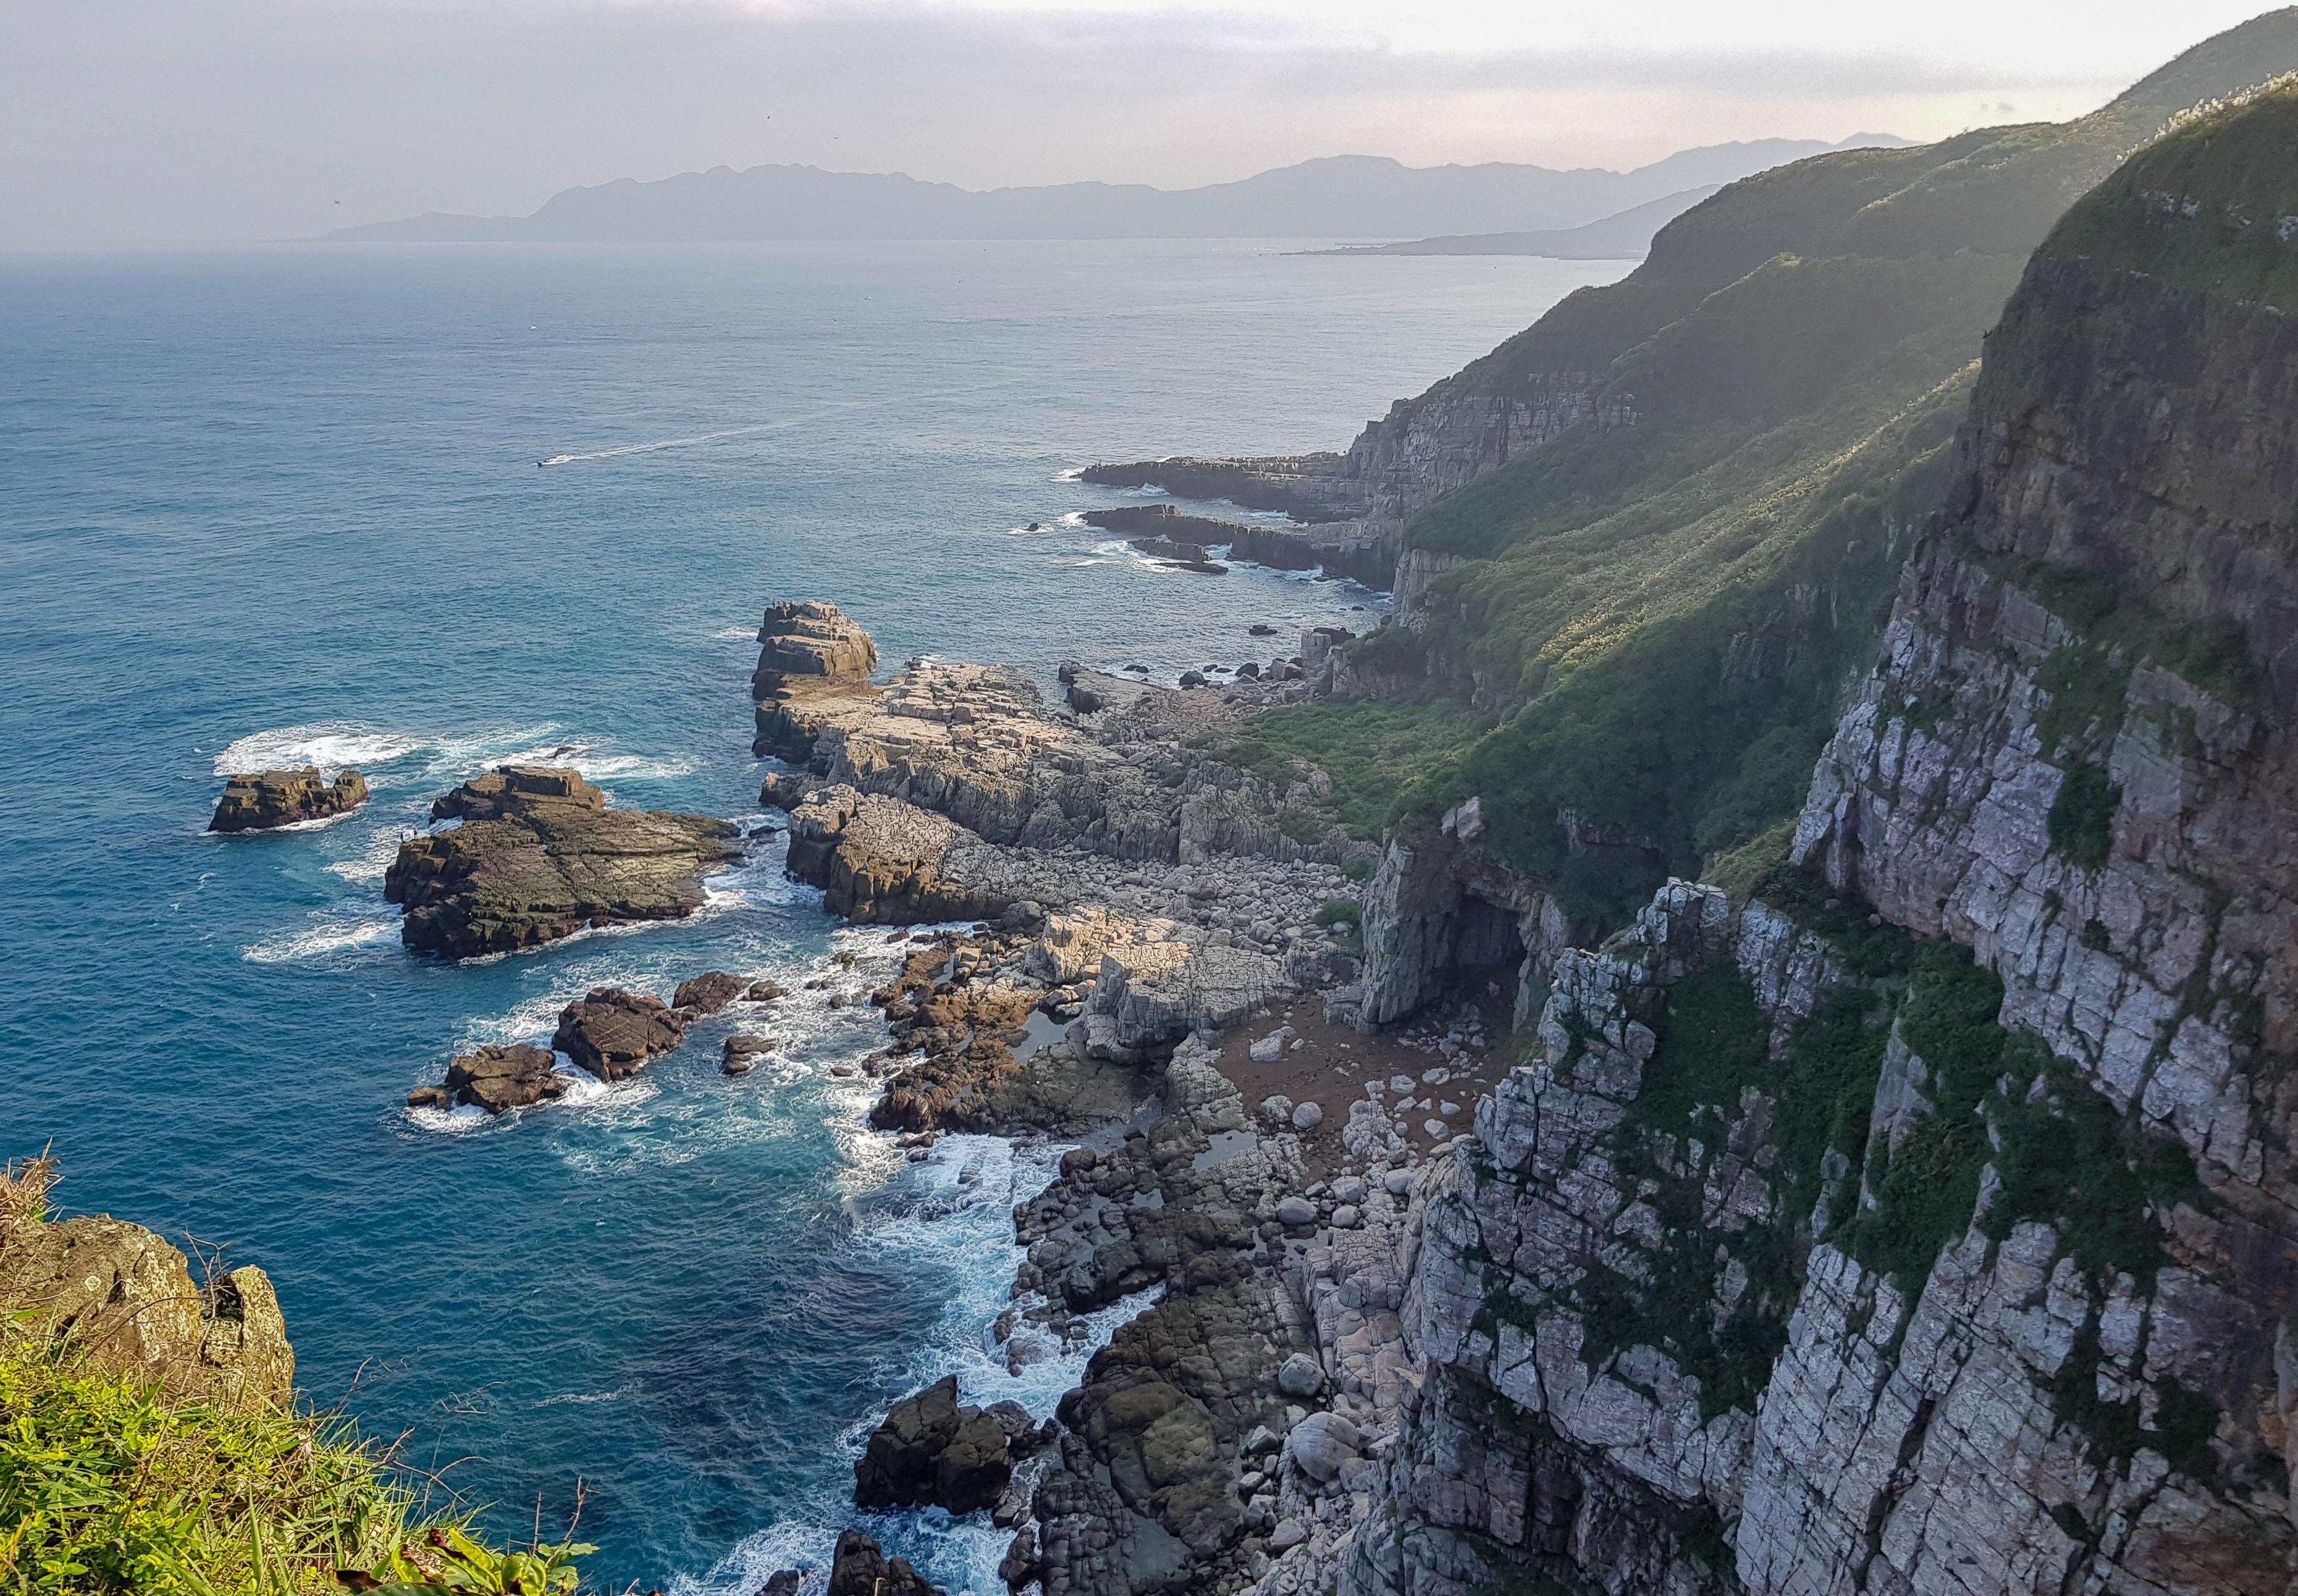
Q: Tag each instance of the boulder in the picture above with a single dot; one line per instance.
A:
(1306, 1116)
(1301, 1377)
(1295, 1211)
(259, 800)
(860, 1567)
(496, 1079)
(1018, 1566)
(612, 1032)
(539, 856)
(707, 994)
(1320, 1443)
(742, 1051)
(932, 1451)
(765, 991)
(1288, 1535)
(1348, 1188)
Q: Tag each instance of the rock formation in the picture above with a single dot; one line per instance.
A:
(539, 855)
(128, 1298)
(264, 800)
(497, 1079)
(811, 659)
(860, 1567)
(934, 1450)
(612, 1032)
(1814, 1254)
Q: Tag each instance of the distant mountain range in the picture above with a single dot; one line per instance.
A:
(1340, 197)
(1627, 235)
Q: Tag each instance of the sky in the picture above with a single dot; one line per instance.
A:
(136, 123)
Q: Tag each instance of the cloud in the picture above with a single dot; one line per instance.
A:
(199, 120)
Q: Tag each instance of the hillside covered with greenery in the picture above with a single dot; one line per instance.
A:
(1655, 621)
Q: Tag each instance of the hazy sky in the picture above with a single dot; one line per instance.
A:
(145, 121)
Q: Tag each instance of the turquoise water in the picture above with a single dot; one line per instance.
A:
(284, 506)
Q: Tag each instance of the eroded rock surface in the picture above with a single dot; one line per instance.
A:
(128, 1298)
(497, 1079)
(934, 1451)
(263, 799)
(539, 855)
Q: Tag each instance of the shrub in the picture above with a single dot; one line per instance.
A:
(2081, 822)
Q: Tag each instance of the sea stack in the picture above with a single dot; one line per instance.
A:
(539, 856)
(264, 801)
(813, 657)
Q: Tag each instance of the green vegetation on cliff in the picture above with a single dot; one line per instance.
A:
(1660, 608)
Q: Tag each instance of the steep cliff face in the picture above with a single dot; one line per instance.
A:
(1926, 1221)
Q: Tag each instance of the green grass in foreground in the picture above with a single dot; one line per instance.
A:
(108, 1484)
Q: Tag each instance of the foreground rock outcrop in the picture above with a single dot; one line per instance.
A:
(497, 1079)
(261, 800)
(539, 855)
(128, 1298)
(812, 661)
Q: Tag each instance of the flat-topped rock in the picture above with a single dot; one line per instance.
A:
(540, 856)
(261, 800)
(497, 1079)
(880, 861)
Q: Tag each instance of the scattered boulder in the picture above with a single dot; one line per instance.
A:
(1261, 629)
(765, 991)
(260, 800)
(742, 1051)
(1278, 1109)
(1398, 1181)
(539, 856)
(496, 1079)
(1320, 1443)
(1300, 1377)
(1348, 1188)
(612, 1032)
(1288, 1535)
(1295, 1211)
(860, 1567)
(1020, 1564)
(1306, 1116)
(1346, 1216)
(707, 994)
(932, 1451)
(1270, 1048)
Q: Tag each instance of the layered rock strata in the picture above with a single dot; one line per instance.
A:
(539, 855)
(811, 659)
(262, 801)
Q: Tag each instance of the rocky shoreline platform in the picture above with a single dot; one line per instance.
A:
(1161, 970)
(265, 800)
(536, 855)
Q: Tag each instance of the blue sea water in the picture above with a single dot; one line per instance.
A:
(284, 506)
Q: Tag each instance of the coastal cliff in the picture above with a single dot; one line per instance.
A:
(1919, 1216)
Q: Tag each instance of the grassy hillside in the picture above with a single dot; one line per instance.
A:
(1658, 618)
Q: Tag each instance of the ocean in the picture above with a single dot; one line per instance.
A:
(284, 506)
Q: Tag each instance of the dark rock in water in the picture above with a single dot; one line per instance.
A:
(1261, 629)
(742, 1050)
(539, 856)
(766, 991)
(784, 1583)
(266, 798)
(1018, 1566)
(612, 1032)
(1085, 700)
(860, 1567)
(499, 1077)
(1248, 672)
(932, 1451)
(1141, 669)
(707, 994)
(1193, 679)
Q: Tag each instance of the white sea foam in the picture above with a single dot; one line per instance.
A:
(325, 936)
(959, 1217)
(373, 861)
(729, 634)
(331, 745)
(1073, 474)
